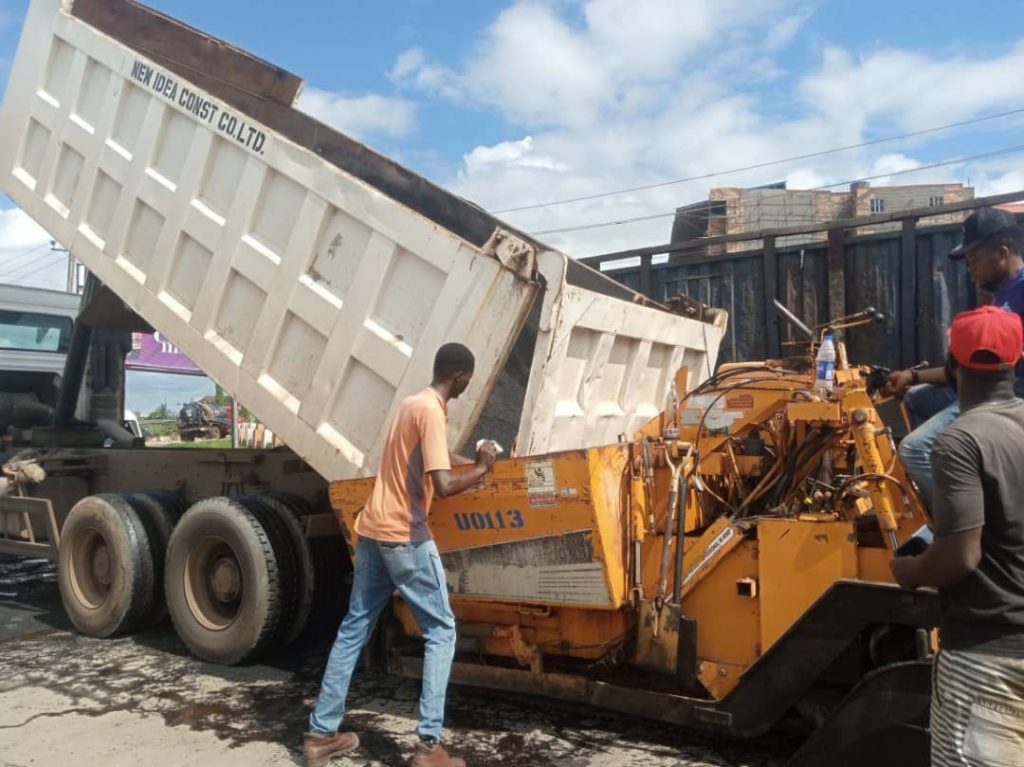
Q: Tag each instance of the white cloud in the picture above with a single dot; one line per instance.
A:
(541, 68)
(412, 69)
(25, 254)
(17, 230)
(359, 116)
(915, 90)
(1000, 182)
(510, 154)
(609, 95)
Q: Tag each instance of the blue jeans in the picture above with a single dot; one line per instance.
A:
(415, 571)
(931, 409)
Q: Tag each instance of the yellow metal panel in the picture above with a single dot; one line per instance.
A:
(533, 531)
(609, 486)
(727, 624)
(564, 631)
(719, 678)
(799, 560)
(813, 411)
(873, 565)
(718, 463)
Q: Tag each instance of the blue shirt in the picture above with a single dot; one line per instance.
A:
(1010, 298)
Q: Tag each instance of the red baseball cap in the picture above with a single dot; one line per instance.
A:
(989, 329)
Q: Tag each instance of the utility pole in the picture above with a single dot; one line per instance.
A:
(76, 270)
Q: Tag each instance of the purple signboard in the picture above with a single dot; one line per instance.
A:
(151, 351)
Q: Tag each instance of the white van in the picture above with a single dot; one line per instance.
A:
(35, 335)
(35, 328)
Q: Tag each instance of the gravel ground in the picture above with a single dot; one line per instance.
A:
(67, 699)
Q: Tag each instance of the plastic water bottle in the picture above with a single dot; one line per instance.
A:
(825, 369)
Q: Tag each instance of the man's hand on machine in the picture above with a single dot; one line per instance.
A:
(898, 382)
(486, 452)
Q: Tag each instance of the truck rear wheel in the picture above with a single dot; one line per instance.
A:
(223, 581)
(105, 566)
(291, 509)
(272, 517)
(160, 511)
(330, 598)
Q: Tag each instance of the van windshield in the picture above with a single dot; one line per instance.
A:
(33, 332)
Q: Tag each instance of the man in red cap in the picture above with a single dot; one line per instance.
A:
(977, 557)
(992, 246)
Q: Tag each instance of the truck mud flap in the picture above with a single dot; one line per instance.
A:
(883, 722)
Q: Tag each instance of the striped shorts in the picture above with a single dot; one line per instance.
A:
(977, 712)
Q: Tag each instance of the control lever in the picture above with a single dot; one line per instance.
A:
(793, 320)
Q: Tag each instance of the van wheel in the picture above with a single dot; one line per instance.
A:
(105, 567)
(223, 581)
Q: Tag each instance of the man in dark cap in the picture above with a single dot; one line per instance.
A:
(976, 560)
(993, 244)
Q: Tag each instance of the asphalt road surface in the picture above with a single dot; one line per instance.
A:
(67, 699)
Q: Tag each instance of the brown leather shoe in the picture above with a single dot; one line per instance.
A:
(320, 749)
(436, 756)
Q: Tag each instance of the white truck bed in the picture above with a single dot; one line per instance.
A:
(309, 276)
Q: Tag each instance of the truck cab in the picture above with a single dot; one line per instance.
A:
(35, 335)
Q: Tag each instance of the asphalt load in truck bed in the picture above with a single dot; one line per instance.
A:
(67, 699)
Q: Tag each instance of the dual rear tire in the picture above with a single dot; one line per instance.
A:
(110, 561)
(237, 575)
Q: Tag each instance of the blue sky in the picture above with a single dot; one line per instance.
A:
(512, 103)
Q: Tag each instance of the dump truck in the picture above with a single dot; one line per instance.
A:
(707, 547)
(313, 279)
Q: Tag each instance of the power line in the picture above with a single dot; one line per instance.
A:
(958, 161)
(767, 164)
(28, 252)
(43, 264)
(28, 264)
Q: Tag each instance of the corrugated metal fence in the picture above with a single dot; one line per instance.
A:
(905, 273)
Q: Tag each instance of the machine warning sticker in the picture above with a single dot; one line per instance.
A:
(541, 484)
(717, 421)
(740, 402)
(720, 540)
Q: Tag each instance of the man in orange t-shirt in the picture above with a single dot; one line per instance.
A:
(396, 552)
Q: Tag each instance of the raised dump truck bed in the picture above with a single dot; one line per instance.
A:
(308, 275)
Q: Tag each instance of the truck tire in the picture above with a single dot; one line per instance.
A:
(287, 564)
(292, 509)
(222, 582)
(105, 567)
(159, 511)
(333, 579)
(173, 502)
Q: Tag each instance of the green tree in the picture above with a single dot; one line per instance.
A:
(160, 413)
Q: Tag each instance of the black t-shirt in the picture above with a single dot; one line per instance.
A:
(978, 466)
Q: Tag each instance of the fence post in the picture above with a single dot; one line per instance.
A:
(836, 273)
(908, 293)
(770, 289)
(645, 277)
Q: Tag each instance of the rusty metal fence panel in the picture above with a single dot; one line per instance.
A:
(904, 273)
